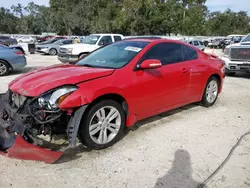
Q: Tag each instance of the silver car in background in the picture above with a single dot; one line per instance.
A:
(197, 43)
(11, 59)
(53, 48)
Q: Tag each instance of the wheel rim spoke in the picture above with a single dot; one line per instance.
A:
(113, 116)
(112, 130)
(100, 136)
(112, 111)
(114, 125)
(105, 136)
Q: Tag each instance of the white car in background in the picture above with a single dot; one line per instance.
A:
(26, 39)
(197, 43)
(237, 57)
(73, 52)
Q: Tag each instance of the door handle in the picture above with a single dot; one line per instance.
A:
(186, 70)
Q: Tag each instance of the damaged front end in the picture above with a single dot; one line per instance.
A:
(24, 124)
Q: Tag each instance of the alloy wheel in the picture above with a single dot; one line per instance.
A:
(105, 125)
(212, 91)
(3, 68)
(53, 52)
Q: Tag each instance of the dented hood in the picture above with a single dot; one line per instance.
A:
(42, 80)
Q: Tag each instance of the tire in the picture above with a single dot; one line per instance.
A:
(52, 51)
(4, 68)
(91, 118)
(208, 99)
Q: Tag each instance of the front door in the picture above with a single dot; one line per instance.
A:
(165, 87)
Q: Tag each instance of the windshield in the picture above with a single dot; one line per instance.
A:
(91, 39)
(246, 39)
(113, 56)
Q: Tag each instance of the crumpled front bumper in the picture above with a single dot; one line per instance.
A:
(26, 151)
(13, 143)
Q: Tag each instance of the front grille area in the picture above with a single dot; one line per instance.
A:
(63, 50)
(240, 54)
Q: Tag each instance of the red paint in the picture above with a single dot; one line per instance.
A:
(147, 92)
(151, 63)
(37, 82)
(26, 151)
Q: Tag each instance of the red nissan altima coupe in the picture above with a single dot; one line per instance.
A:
(100, 96)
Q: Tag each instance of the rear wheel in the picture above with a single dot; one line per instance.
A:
(103, 125)
(211, 92)
(52, 51)
(4, 68)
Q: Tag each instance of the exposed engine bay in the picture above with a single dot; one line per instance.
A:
(28, 120)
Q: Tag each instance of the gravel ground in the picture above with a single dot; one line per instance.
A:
(178, 149)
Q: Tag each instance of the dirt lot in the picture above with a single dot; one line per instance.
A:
(178, 149)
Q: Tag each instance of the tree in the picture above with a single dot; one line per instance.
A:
(128, 17)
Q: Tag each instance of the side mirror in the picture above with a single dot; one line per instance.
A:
(150, 64)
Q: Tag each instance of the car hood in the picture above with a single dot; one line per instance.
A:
(42, 80)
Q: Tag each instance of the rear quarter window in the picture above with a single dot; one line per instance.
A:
(189, 53)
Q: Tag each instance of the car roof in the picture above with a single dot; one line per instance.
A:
(236, 35)
(154, 40)
(104, 34)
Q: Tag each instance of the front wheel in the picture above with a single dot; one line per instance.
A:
(4, 68)
(211, 92)
(103, 125)
(52, 51)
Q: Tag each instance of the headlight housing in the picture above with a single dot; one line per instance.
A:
(69, 50)
(54, 98)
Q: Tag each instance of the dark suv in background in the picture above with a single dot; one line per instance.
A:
(5, 40)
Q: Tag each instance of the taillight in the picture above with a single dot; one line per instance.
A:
(19, 53)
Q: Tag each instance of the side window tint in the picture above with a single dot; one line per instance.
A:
(167, 53)
(189, 53)
(196, 43)
(105, 40)
(201, 43)
(117, 38)
(190, 42)
(67, 42)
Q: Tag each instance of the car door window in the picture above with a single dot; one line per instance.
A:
(105, 40)
(201, 43)
(167, 53)
(67, 42)
(196, 43)
(189, 53)
(117, 38)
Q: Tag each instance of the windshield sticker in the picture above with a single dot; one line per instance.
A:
(133, 49)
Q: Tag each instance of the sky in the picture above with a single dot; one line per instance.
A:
(213, 5)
